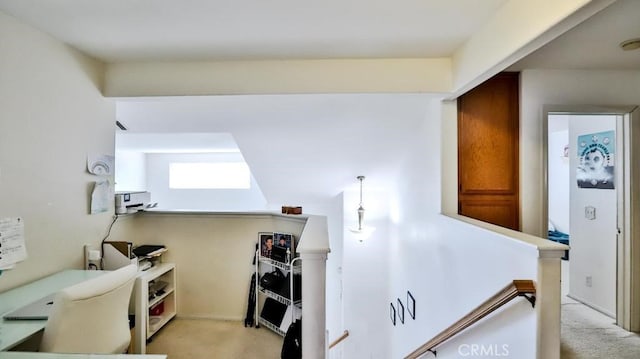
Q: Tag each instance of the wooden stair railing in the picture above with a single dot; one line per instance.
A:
(517, 288)
(339, 339)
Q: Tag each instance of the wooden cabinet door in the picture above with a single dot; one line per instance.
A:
(488, 166)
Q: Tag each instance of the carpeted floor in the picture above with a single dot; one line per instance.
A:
(589, 334)
(586, 334)
(203, 338)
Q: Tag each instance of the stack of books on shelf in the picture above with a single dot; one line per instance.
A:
(148, 254)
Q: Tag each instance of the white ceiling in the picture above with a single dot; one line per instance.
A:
(304, 148)
(126, 30)
(156, 30)
(594, 44)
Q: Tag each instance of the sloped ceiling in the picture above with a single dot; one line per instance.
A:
(594, 44)
(301, 148)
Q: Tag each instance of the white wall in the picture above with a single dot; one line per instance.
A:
(131, 171)
(157, 180)
(366, 277)
(450, 266)
(213, 255)
(593, 242)
(53, 115)
(560, 87)
(559, 174)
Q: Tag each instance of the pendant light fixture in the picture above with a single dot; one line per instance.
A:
(362, 231)
(360, 208)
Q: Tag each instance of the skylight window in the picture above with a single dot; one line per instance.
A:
(209, 175)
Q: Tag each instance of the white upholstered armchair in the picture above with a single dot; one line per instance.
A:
(92, 316)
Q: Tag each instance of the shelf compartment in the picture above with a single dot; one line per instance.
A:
(162, 275)
(279, 298)
(161, 297)
(157, 271)
(156, 322)
(280, 265)
(271, 326)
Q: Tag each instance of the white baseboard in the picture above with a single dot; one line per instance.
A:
(592, 306)
(212, 317)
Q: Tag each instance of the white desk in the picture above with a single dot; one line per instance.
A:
(14, 332)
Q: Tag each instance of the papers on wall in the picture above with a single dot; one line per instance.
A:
(100, 165)
(101, 196)
(12, 246)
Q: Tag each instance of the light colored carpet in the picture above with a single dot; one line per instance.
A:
(587, 333)
(204, 338)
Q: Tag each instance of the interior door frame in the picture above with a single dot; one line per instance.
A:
(628, 241)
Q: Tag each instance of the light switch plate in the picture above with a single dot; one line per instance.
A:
(590, 212)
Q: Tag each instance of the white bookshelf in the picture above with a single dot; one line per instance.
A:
(147, 325)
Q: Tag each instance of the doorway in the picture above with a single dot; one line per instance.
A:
(582, 206)
(590, 199)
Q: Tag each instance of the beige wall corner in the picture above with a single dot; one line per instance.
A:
(278, 77)
(54, 115)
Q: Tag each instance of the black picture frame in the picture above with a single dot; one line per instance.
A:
(285, 240)
(400, 311)
(411, 305)
(265, 247)
(392, 313)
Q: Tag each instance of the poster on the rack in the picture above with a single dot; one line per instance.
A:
(277, 246)
(284, 240)
(265, 241)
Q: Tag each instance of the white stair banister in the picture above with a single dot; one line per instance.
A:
(313, 249)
